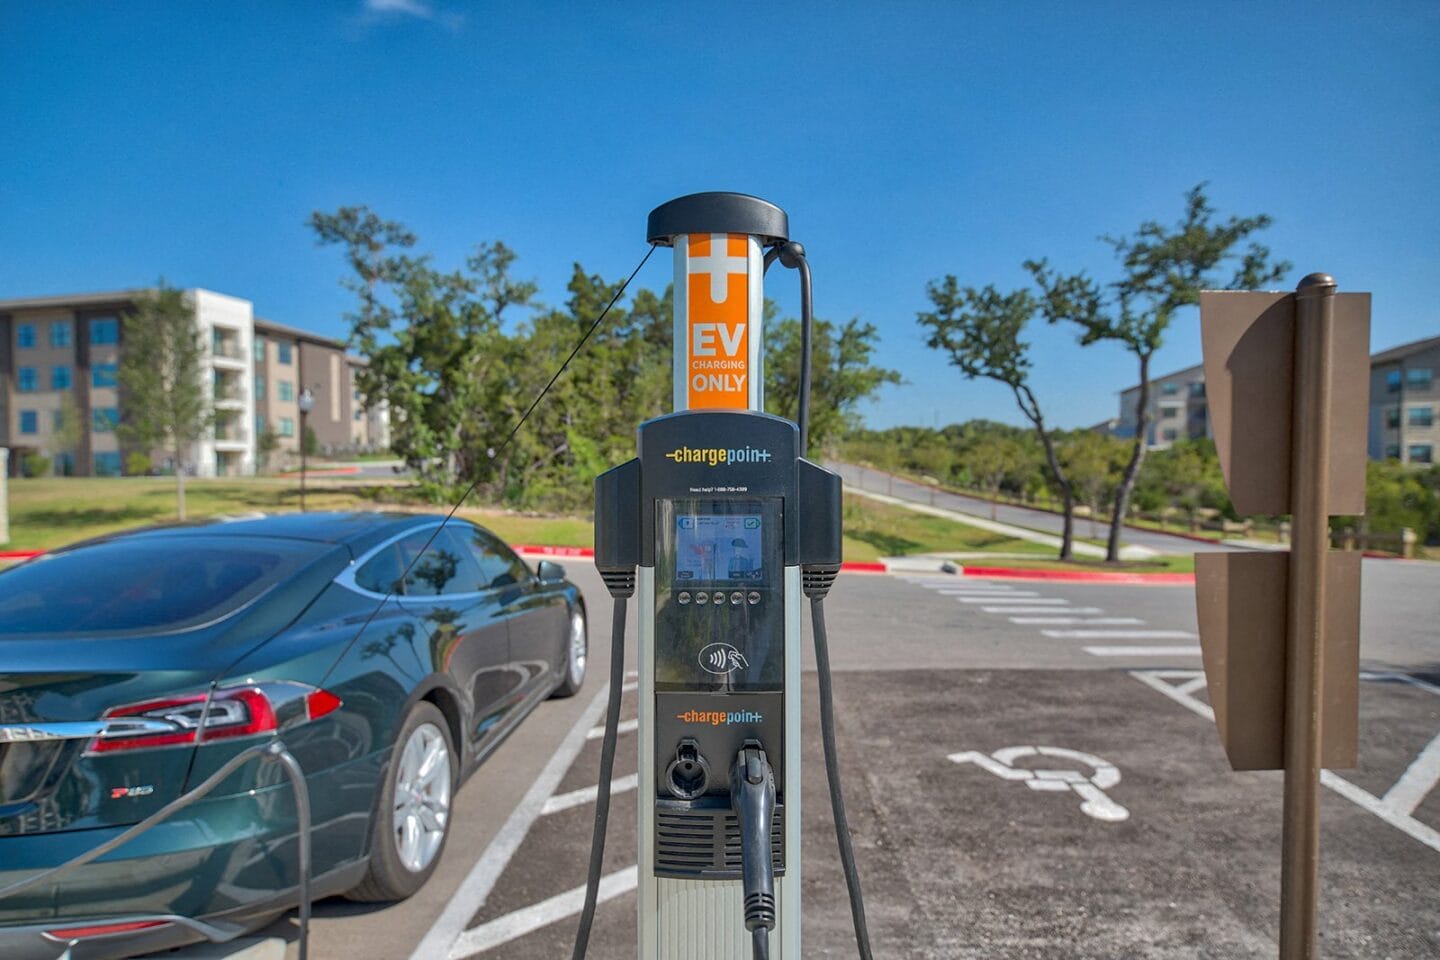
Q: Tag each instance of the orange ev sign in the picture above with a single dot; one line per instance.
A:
(717, 359)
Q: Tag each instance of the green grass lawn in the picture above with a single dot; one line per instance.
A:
(52, 512)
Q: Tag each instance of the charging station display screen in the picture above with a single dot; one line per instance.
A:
(719, 595)
(719, 549)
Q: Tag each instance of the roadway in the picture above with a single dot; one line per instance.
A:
(878, 481)
(945, 688)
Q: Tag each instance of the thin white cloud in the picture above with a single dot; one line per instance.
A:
(376, 11)
(413, 8)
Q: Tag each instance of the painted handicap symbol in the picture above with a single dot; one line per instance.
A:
(1091, 788)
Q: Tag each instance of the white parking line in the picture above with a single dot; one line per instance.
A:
(578, 798)
(475, 888)
(1402, 821)
(1060, 621)
(1417, 781)
(625, 726)
(514, 925)
(1013, 598)
(1143, 651)
(1120, 634)
(1042, 610)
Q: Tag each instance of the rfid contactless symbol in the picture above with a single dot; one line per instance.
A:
(722, 659)
(1091, 788)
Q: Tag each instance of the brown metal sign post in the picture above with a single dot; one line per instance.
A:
(1287, 381)
(1304, 646)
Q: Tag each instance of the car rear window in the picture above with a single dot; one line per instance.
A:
(157, 585)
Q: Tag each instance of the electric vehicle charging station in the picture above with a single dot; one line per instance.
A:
(721, 529)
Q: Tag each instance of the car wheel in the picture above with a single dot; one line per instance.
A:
(577, 655)
(412, 817)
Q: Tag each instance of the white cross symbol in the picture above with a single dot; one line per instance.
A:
(719, 265)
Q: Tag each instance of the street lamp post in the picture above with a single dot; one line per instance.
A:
(306, 404)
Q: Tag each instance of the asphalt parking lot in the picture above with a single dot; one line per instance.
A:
(1031, 772)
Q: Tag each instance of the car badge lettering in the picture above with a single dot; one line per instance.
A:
(122, 793)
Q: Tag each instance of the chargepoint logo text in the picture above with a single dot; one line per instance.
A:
(720, 718)
(717, 456)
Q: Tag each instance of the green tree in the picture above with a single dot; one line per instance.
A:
(265, 446)
(1163, 270)
(1095, 463)
(162, 361)
(1185, 476)
(992, 460)
(980, 330)
(70, 427)
(843, 375)
(437, 353)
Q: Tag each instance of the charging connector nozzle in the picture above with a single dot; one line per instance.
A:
(752, 797)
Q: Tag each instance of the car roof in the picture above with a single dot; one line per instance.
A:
(358, 531)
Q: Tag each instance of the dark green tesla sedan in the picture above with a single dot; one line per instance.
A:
(134, 666)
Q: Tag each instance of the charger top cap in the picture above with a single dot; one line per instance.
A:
(717, 212)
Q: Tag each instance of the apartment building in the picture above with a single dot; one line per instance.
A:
(1404, 396)
(60, 399)
(1404, 419)
(1177, 409)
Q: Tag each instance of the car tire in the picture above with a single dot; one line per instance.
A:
(577, 654)
(412, 814)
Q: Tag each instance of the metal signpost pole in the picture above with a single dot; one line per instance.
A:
(1310, 481)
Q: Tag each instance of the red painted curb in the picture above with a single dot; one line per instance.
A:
(1077, 576)
(20, 554)
(543, 550)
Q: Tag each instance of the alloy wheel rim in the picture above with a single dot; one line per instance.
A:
(578, 648)
(421, 805)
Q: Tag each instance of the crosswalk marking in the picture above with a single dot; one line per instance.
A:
(1143, 651)
(1042, 610)
(1119, 634)
(1116, 621)
(1032, 600)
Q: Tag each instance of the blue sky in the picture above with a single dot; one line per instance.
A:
(906, 140)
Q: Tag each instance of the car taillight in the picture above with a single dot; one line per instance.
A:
(71, 934)
(229, 712)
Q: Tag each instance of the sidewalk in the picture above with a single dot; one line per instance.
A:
(1005, 529)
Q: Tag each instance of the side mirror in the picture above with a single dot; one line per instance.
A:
(550, 572)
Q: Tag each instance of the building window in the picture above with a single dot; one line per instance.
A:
(25, 336)
(104, 375)
(1392, 418)
(104, 330)
(287, 427)
(358, 415)
(1170, 435)
(1197, 389)
(29, 421)
(1169, 389)
(259, 426)
(1418, 379)
(259, 349)
(60, 333)
(259, 387)
(60, 378)
(107, 464)
(105, 419)
(1420, 416)
(1421, 453)
(286, 390)
(282, 351)
(1169, 412)
(1392, 451)
(1392, 381)
(27, 380)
